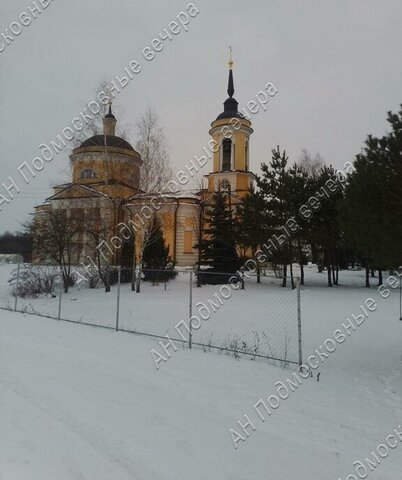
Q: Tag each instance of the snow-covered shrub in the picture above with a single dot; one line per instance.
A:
(93, 279)
(34, 280)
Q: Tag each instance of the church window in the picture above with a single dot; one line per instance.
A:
(188, 241)
(225, 185)
(226, 154)
(88, 173)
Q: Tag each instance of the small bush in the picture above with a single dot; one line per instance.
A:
(93, 279)
(34, 280)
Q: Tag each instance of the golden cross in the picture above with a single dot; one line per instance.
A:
(230, 57)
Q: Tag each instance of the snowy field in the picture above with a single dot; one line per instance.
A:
(84, 403)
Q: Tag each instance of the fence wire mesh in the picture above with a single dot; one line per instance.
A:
(259, 319)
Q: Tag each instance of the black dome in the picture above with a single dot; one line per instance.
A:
(111, 141)
(230, 114)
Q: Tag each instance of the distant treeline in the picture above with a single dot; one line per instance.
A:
(20, 243)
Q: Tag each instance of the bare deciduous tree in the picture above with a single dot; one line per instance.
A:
(198, 217)
(152, 146)
(53, 234)
(310, 164)
(94, 126)
(142, 234)
(99, 232)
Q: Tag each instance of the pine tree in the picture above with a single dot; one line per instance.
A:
(299, 190)
(218, 246)
(250, 229)
(372, 210)
(157, 265)
(274, 186)
(325, 229)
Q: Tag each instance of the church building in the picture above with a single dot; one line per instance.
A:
(104, 192)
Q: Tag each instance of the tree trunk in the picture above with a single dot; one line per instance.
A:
(329, 275)
(134, 267)
(285, 272)
(327, 262)
(379, 276)
(138, 282)
(291, 276)
(107, 279)
(367, 277)
(65, 279)
(258, 272)
(133, 279)
(258, 269)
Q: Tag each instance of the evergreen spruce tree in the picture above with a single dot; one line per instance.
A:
(299, 190)
(126, 260)
(372, 210)
(325, 229)
(274, 185)
(218, 245)
(157, 265)
(250, 227)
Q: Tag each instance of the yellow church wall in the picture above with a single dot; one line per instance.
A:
(240, 145)
(216, 153)
(167, 222)
(115, 167)
(116, 191)
(243, 182)
(176, 219)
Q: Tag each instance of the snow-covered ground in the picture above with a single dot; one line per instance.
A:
(83, 403)
(261, 319)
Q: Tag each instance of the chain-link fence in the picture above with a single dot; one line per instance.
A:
(260, 319)
(239, 315)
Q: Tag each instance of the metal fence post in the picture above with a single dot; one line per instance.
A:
(190, 311)
(18, 286)
(299, 325)
(60, 295)
(118, 297)
(400, 298)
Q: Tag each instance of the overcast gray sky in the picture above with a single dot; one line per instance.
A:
(337, 65)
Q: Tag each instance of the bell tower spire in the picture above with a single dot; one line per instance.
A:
(109, 121)
(230, 82)
(231, 132)
(230, 105)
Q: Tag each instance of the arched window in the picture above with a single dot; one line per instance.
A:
(226, 154)
(88, 173)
